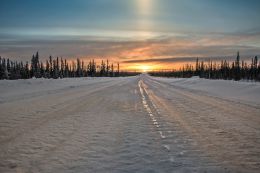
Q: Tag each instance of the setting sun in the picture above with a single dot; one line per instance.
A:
(141, 67)
(145, 68)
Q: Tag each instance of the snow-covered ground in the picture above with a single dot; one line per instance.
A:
(233, 90)
(133, 124)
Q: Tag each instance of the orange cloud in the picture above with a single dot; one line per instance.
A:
(150, 53)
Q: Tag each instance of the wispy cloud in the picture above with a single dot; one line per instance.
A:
(159, 48)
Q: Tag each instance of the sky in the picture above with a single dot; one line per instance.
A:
(137, 33)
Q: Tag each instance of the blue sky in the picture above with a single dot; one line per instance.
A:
(128, 30)
(162, 15)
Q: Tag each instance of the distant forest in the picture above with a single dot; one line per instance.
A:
(58, 68)
(236, 70)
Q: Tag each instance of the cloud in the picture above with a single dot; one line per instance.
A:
(184, 59)
(162, 48)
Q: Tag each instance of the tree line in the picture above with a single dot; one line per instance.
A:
(58, 68)
(236, 70)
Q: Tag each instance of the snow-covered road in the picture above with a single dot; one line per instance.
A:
(133, 124)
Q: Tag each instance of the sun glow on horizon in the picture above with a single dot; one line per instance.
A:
(145, 68)
(149, 67)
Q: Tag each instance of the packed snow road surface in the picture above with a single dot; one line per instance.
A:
(135, 124)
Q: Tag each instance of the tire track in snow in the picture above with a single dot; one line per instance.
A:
(216, 131)
(55, 113)
(233, 107)
(145, 101)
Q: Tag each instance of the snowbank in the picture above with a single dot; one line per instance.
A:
(17, 89)
(240, 91)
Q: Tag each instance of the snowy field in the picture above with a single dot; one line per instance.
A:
(133, 124)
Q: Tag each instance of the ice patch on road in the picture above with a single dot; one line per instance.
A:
(148, 109)
(146, 106)
(161, 134)
(167, 147)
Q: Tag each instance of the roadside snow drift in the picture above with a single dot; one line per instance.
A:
(233, 90)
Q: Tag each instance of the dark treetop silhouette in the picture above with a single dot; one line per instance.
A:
(58, 68)
(225, 70)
